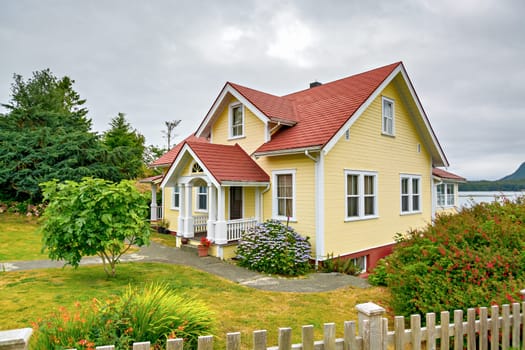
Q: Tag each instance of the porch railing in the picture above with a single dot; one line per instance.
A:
(156, 213)
(200, 223)
(235, 228)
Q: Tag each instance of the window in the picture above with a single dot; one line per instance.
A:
(202, 198)
(410, 194)
(360, 262)
(446, 195)
(283, 194)
(175, 201)
(361, 195)
(196, 168)
(236, 121)
(388, 117)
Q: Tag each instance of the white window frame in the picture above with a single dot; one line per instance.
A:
(446, 199)
(198, 194)
(175, 194)
(364, 259)
(410, 194)
(230, 120)
(384, 127)
(361, 195)
(275, 199)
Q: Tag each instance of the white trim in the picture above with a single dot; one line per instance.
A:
(290, 151)
(392, 103)
(275, 204)
(446, 195)
(180, 157)
(231, 106)
(198, 194)
(245, 183)
(222, 95)
(361, 195)
(319, 207)
(410, 194)
(173, 206)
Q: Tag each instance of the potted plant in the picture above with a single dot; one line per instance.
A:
(203, 247)
(162, 226)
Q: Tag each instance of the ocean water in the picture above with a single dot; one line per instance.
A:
(467, 199)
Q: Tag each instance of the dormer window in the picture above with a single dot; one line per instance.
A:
(236, 121)
(196, 168)
(388, 117)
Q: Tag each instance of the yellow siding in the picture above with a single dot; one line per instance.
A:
(169, 213)
(369, 150)
(249, 202)
(254, 130)
(305, 191)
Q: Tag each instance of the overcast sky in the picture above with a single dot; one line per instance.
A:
(165, 60)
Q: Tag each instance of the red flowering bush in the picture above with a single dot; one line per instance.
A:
(472, 259)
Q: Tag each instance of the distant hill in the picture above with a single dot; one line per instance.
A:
(512, 182)
(517, 175)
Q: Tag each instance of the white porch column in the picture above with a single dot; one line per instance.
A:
(258, 214)
(221, 236)
(182, 209)
(188, 217)
(153, 206)
(212, 211)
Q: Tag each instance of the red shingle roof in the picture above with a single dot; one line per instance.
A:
(320, 111)
(167, 158)
(447, 175)
(228, 163)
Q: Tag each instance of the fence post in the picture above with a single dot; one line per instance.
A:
(15, 339)
(372, 313)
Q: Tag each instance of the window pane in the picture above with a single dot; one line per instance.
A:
(404, 203)
(404, 186)
(237, 121)
(352, 185)
(415, 203)
(352, 206)
(450, 194)
(284, 185)
(369, 205)
(415, 186)
(369, 184)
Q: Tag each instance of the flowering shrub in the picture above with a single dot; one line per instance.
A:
(153, 313)
(472, 259)
(273, 247)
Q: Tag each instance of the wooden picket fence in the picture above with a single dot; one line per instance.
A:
(479, 331)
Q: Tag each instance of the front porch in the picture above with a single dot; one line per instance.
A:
(234, 228)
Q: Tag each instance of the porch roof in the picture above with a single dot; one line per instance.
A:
(443, 174)
(228, 163)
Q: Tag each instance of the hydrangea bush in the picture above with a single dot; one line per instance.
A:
(272, 247)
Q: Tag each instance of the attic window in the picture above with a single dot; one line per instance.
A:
(196, 168)
(388, 117)
(236, 121)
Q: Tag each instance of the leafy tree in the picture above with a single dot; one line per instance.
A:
(125, 147)
(91, 217)
(151, 153)
(46, 135)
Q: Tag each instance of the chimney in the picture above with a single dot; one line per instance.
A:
(315, 83)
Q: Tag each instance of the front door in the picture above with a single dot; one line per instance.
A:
(235, 203)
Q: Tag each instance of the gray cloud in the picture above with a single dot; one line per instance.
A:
(165, 60)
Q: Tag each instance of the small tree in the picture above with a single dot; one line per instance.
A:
(93, 217)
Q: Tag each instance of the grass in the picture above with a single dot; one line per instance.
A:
(31, 295)
(19, 238)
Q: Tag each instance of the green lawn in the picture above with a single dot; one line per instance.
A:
(31, 295)
(19, 238)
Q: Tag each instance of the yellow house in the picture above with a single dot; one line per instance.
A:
(348, 163)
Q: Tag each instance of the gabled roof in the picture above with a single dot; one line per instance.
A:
(322, 110)
(225, 163)
(442, 174)
(233, 164)
(167, 158)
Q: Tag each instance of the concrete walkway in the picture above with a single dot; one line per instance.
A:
(155, 252)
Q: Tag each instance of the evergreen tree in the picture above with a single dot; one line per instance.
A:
(46, 135)
(125, 147)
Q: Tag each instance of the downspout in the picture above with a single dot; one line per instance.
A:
(317, 202)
